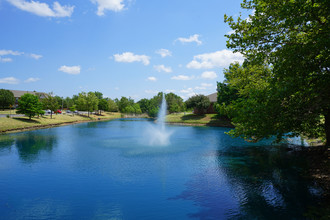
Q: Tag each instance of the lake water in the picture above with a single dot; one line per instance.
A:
(107, 170)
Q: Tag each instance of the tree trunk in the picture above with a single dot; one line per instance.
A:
(88, 113)
(51, 114)
(327, 128)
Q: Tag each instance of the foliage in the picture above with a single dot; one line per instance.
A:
(6, 98)
(87, 102)
(292, 37)
(50, 102)
(124, 103)
(112, 106)
(29, 105)
(103, 105)
(72, 109)
(200, 103)
(174, 103)
(99, 95)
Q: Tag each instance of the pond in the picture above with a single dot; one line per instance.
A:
(107, 170)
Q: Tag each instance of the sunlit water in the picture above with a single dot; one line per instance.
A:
(106, 170)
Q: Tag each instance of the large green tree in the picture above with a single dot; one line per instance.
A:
(6, 98)
(29, 105)
(291, 37)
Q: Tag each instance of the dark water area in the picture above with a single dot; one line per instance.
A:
(108, 170)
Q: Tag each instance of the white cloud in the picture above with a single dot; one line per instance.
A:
(207, 84)
(129, 57)
(209, 75)
(193, 38)
(151, 91)
(111, 5)
(5, 60)
(151, 78)
(170, 90)
(230, 32)
(182, 77)
(74, 70)
(187, 93)
(31, 79)
(221, 58)
(10, 52)
(35, 56)
(162, 68)
(9, 80)
(43, 9)
(164, 52)
(200, 88)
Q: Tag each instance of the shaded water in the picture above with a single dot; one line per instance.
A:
(106, 170)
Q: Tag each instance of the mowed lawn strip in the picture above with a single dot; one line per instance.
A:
(193, 119)
(12, 124)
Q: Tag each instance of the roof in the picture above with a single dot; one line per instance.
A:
(213, 97)
(19, 93)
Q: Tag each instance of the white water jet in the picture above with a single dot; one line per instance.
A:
(158, 134)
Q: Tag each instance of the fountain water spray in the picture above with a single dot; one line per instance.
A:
(158, 134)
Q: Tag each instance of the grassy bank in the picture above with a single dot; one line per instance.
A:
(201, 120)
(23, 123)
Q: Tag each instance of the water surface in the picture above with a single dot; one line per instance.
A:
(107, 170)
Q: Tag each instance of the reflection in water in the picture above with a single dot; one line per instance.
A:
(267, 183)
(30, 145)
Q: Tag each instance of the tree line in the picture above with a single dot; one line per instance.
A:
(32, 105)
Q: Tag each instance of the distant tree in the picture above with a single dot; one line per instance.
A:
(72, 109)
(113, 107)
(200, 103)
(144, 105)
(103, 105)
(123, 103)
(174, 103)
(60, 101)
(51, 103)
(68, 102)
(6, 98)
(88, 101)
(99, 95)
(29, 105)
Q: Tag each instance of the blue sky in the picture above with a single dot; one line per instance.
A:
(132, 48)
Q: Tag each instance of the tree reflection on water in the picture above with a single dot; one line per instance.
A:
(250, 182)
(31, 145)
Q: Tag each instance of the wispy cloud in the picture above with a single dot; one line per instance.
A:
(31, 79)
(152, 78)
(35, 56)
(221, 58)
(192, 38)
(148, 91)
(182, 77)
(9, 80)
(129, 57)
(10, 52)
(110, 5)
(164, 52)
(5, 60)
(74, 70)
(207, 84)
(209, 75)
(162, 68)
(43, 9)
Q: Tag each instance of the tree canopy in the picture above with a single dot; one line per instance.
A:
(29, 105)
(286, 47)
(200, 103)
(6, 98)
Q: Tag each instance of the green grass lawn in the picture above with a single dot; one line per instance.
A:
(24, 122)
(7, 112)
(207, 119)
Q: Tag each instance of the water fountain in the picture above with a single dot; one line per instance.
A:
(158, 134)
